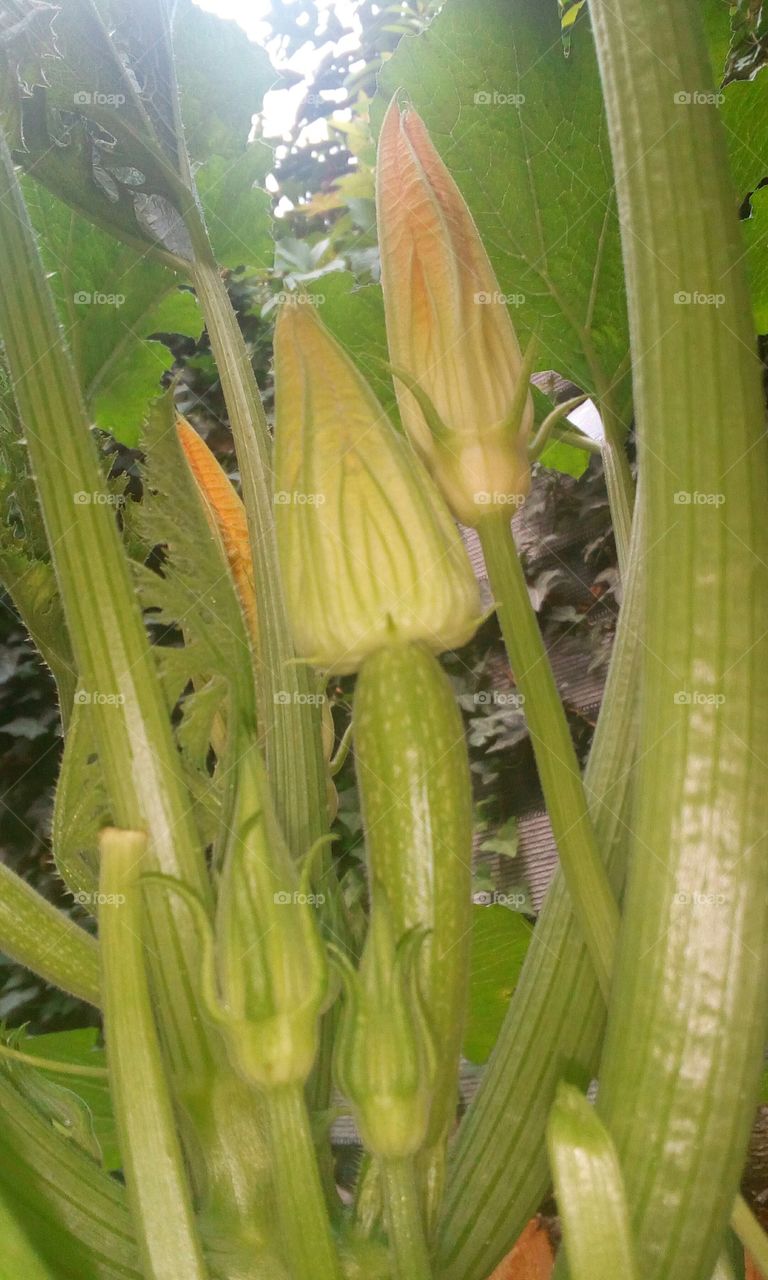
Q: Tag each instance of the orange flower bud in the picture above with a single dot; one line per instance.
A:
(226, 516)
(462, 382)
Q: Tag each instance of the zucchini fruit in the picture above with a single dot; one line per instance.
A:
(413, 775)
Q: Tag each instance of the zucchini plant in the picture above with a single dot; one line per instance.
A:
(249, 983)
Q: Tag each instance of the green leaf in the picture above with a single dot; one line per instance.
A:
(80, 808)
(238, 210)
(546, 213)
(500, 940)
(20, 1258)
(505, 841)
(566, 458)
(590, 1191)
(81, 1048)
(755, 230)
(356, 317)
(193, 591)
(222, 77)
(110, 300)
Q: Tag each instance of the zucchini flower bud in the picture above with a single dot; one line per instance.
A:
(462, 382)
(368, 550)
(264, 974)
(385, 1058)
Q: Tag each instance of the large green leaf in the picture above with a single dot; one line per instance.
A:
(99, 129)
(238, 209)
(523, 132)
(356, 317)
(110, 300)
(500, 940)
(222, 76)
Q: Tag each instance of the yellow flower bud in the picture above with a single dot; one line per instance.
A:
(462, 382)
(368, 550)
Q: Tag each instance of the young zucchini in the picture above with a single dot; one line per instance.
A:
(413, 774)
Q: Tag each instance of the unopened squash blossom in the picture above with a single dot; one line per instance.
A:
(377, 579)
(385, 1056)
(368, 550)
(462, 382)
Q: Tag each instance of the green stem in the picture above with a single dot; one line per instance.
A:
(750, 1233)
(142, 769)
(499, 1173)
(51, 1064)
(686, 1025)
(576, 439)
(302, 1213)
(593, 902)
(152, 1159)
(618, 480)
(36, 935)
(405, 1227)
